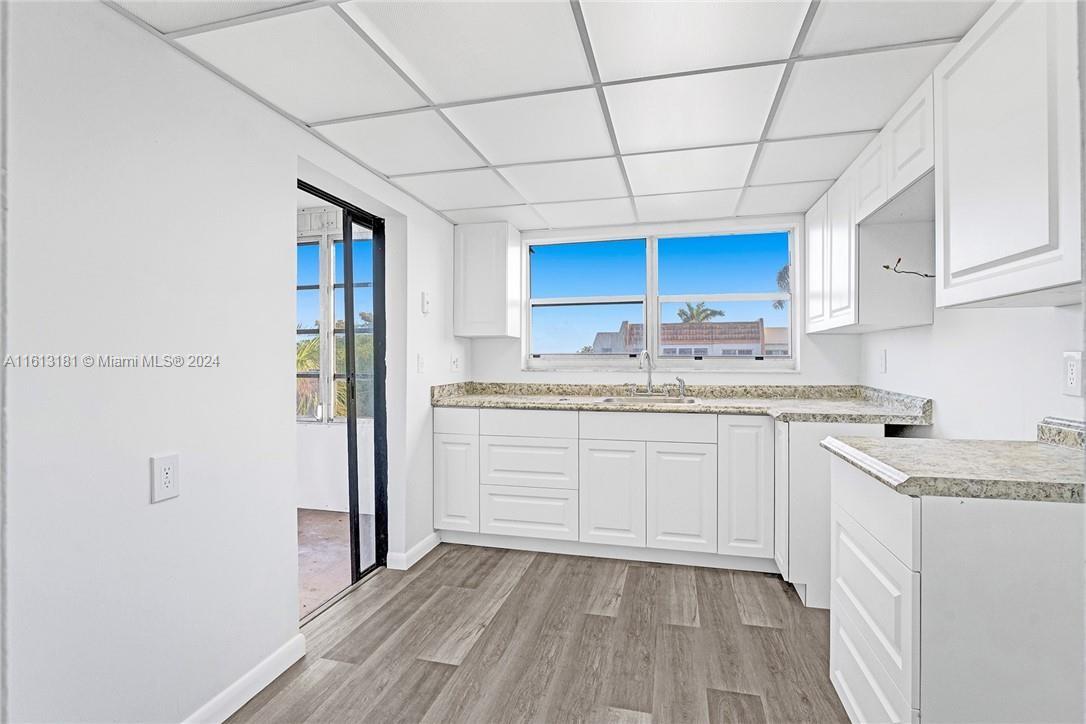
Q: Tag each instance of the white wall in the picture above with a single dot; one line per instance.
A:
(992, 373)
(322, 466)
(173, 196)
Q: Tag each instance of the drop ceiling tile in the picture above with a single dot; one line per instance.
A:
(311, 64)
(808, 159)
(168, 16)
(538, 128)
(781, 199)
(849, 25)
(473, 50)
(696, 110)
(697, 169)
(684, 207)
(597, 178)
(461, 189)
(853, 92)
(522, 217)
(587, 213)
(636, 39)
(407, 143)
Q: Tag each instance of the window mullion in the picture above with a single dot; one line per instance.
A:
(328, 340)
(652, 305)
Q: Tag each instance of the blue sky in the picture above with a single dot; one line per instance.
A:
(308, 302)
(687, 265)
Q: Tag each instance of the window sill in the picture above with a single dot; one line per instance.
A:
(715, 367)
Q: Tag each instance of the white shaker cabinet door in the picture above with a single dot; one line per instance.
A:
(681, 506)
(456, 482)
(745, 505)
(612, 494)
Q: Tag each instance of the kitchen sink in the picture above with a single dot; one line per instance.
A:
(648, 400)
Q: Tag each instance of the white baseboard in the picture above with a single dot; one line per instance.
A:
(403, 561)
(597, 550)
(233, 697)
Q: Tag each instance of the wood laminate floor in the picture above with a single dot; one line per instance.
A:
(488, 635)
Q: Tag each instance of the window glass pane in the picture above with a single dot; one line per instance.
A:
(308, 313)
(725, 329)
(723, 264)
(309, 269)
(308, 348)
(363, 256)
(363, 353)
(588, 269)
(308, 396)
(588, 329)
(363, 309)
(365, 397)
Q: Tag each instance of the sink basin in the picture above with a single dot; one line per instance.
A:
(647, 400)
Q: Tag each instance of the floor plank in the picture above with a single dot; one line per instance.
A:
(489, 635)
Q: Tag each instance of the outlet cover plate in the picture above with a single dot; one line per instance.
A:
(1072, 374)
(165, 477)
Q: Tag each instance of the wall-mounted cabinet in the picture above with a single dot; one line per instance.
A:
(486, 280)
(1008, 160)
(849, 240)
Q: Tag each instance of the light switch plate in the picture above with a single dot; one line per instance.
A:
(1072, 374)
(165, 477)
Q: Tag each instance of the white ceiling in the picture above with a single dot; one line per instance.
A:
(568, 114)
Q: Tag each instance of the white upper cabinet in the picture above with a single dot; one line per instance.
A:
(486, 280)
(908, 142)
(816, 265)
(1007, 160)
(871, 177)
(841, 252)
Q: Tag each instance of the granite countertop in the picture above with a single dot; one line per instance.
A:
(790, 403)
(1007, 470)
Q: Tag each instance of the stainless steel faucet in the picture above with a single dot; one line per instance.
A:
(682, 386)
(644, 362)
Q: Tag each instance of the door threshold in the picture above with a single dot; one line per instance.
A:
(338, 597)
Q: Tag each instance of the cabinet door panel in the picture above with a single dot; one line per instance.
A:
(745, 513)
(780, 498)
(841, 261)
(816, 265)
(456, 482)
(681, 507)
(910, 143)
(1007, 184)
(612, 494)
(871, 177)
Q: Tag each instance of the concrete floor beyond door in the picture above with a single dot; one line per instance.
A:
(324, 557)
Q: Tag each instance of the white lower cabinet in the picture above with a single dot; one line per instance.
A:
(612, 492)
(533, 462)
(456, 482)
(681, 491)
(530, 512)
(745, 490)
(780, 497)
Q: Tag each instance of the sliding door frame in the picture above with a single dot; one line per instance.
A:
(353, 215)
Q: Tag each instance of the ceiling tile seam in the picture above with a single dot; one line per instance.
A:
(642, 79)
(786, 74)
(593, 68)
(642, 196)
(651, 224)
(291, 9)
(360, 31)
(139, 22)
(574, 159)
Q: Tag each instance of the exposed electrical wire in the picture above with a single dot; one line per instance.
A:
(906, 271)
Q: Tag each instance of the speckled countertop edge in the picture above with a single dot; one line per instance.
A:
(1062, 431)
(787, 403)
(961, 486)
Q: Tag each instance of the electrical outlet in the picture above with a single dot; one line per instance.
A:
(1072, 374)
(420, 363)
(165, 477)
(454, 363)
(426, 303)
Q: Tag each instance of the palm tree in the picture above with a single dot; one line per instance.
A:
(784, 283)
(308, 354)
(698, 313)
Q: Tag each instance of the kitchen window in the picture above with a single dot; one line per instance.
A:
(695, 301)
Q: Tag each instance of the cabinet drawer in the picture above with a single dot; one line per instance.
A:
(528, 423)
(648, 426)
(881, 596)
(533, 462)
(456, 420)
(862, 685)
(528, 512)
(893, 519)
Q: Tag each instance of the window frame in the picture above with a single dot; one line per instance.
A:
(652, 300)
